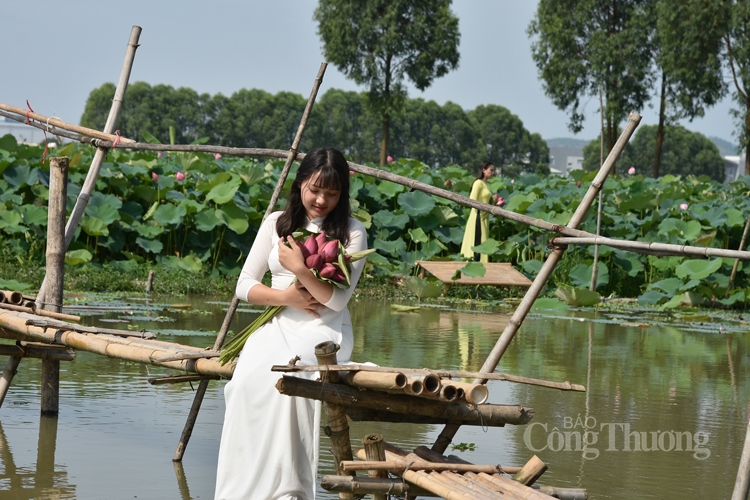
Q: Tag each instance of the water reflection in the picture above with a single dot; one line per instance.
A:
(116, 434)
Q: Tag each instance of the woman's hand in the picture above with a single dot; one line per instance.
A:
(298, 297)
(290, 256)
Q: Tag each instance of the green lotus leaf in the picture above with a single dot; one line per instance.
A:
(106, 213)
(153, 246)
(252, 174)
(651, 298)
(76, 257)
(638, 202)
(416, 203)
(532, 266)
(471, 270)
(34, 215)
(10, 222)
(519, 202)
(488, 247)
(735, 218)
(580, 275)
(448, 235)
(224, 192)
(215, 180)
(549, 303)
(577, 297)
(390, 189)
(207, 220)
(715, 217)
(630, 265)
(384, 218)
(363, 216)
(697, 268)
(424, 288)
(8, 142)
(94, 226)
(391, 248)
(149, 230)
(355, 184)
(418, 235)
(705, 240)
(13, 285)
(132, 170)
(736, 296)
(191, 206)
(167, 214)
(146, 193)
(100, 199)
(445, 216)
(21, 175)
(668, 285)
(231, 215)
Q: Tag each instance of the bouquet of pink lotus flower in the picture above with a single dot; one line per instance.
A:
(326, 259)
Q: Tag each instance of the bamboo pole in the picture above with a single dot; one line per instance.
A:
(40, 351)
(290, 157)
(595, 268)
(387, 465)
(131, 349)
(96, 164)
(338, 426)
(737, 261)
(54, 122)
(540, 281)
(58, 196)
(742, 483)
(650, 248)
(368, 485)
(375, 380)
(40, 312)
(488, 415)
(150, 282)
(443, 374)
(179, 379)
(11, 368)
(43, 323)
(374, 453)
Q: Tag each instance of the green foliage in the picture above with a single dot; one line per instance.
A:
(380, 42)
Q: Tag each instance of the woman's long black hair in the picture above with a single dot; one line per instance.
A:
(482, 167)
(332, 173)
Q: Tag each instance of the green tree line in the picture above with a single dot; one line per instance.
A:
(436, 135)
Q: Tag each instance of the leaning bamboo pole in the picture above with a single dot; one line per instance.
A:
(89, 183)
(737, 261)
(446, 436)
(386, 465)
(444, 374)
(291, 155)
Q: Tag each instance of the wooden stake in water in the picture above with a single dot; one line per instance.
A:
(58, 193)
(446, 436)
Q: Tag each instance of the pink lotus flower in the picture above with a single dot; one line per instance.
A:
(311, 245)
(217, 156)
(389, 159)
(158, 153)
(154, 176)
(303, 249)
(180, 176)
(352, 172)
(512, 181)
(500, 201)
(578, 184)
(328, 271)
(631, 171)
(320, 239)
(683, 206)
(330, 251)
(315, 261)
(447, 183)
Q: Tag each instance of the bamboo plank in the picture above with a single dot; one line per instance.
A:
(60, 325)
(497, 273)
(371, 486)
(429, 466)
(39, 351)
(40, 312)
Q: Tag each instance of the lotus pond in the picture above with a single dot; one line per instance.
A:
(664, 416)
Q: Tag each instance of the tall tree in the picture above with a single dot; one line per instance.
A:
(688, 55)
(580, 46)
(737, 41)
(379, 42)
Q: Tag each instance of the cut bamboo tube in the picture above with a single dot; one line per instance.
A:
(89, 183)
(338, 426)
(376, 380)
(368, 485)
(428, 455)
(375, 453)
(414, 386)
(475, 394)
(2, 297)
(439, 467)
(54, 122)
(530, 472)
(40, 351)
(13, 298)
(447, 434)
(290, 157)
(488, 415)
(445, 374)
(40, 312)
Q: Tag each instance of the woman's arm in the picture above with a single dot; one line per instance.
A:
(476, 188)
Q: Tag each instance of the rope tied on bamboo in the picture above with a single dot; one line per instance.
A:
(28, 122)
(117, 139)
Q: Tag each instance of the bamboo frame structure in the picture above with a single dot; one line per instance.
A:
(375, 453)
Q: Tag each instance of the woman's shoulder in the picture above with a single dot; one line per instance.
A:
(356, 225)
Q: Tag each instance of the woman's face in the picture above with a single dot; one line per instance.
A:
(318, 202)
(489, 172)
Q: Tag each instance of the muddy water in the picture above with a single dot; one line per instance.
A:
(664, 416)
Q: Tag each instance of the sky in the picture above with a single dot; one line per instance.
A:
(54, 53)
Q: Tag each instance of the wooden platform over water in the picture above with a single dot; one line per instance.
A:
(498, 273)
